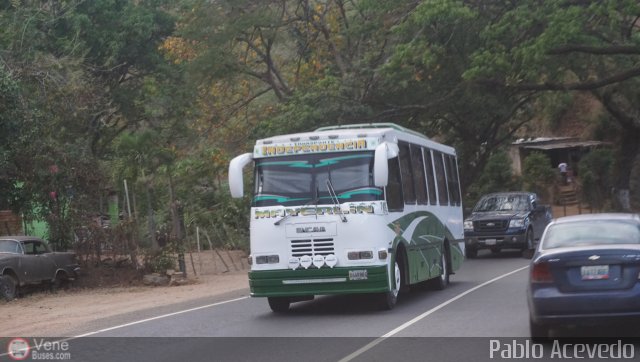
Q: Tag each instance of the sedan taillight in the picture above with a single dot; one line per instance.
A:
(541, 273)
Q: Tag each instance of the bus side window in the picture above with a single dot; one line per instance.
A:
(441, 180)
(452, 180)
(420, 183)
(431, 185)
(407, 174)
(395, 200)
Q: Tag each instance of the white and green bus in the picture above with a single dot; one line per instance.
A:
(365, 208)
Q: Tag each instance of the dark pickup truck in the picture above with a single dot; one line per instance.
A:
(506, 220)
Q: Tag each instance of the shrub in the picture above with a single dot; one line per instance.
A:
(161, 260)
(497, 176)
(596, 176)
(538, 174)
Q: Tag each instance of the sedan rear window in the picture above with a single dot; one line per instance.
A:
(592, 232)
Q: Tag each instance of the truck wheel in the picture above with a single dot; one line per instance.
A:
(528, 252)
(7, 288)
(471, 253)
(279, 304)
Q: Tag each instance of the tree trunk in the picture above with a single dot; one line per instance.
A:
(152, 219)
(627, 153)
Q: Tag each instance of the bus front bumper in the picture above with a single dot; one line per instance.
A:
(324, 281)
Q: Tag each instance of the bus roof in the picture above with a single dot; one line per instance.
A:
(364, 136)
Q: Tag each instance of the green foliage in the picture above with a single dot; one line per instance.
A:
(163, 94)
(497, 176)
(596, 176)
(162, 260)
(537, 174)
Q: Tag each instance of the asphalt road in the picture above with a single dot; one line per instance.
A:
(483, 307)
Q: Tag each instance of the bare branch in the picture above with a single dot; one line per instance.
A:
(549, 86)
(605, 50)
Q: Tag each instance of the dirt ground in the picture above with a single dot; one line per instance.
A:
(41, 313)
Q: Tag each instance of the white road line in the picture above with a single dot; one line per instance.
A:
(144, 320)
(159, 317)
(424, 315)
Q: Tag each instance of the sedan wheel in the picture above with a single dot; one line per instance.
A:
(7, 288)
(60, 282)
(539, 333)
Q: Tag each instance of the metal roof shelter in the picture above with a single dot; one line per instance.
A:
(559, 149)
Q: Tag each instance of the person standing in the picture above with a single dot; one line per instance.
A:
(563, 172)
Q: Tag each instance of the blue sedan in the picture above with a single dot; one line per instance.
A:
(586, 270)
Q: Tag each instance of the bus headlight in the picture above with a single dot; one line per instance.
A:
(361, 254)
(382, 254)
(267, 259)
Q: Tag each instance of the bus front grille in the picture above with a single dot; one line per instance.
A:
(311, 247)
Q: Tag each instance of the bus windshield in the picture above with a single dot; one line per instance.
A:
(302, 179)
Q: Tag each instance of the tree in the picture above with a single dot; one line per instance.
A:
(563, 45)
(596, 172)
(537, 175)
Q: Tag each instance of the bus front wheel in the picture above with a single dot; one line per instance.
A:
(390, 298)
(279, 304)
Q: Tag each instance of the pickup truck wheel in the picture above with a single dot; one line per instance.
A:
(7, 288)
(528, 252)
(471, 253)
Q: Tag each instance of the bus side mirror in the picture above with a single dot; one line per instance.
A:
(383, 152)
(236, 182)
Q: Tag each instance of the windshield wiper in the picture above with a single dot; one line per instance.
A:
(286, 216)
(333, 195)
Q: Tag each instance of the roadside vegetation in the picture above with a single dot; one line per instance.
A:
(141, 104)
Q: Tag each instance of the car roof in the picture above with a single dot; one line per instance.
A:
(19, 237)
(599, 216)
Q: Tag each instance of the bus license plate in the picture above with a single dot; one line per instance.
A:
(490, 241)
(594, 272)
(357, 275)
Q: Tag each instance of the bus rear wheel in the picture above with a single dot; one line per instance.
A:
(442, 281)
(279, 304)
